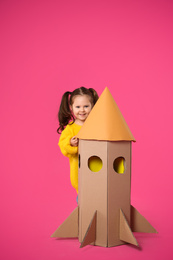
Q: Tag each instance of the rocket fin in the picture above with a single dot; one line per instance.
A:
(139, 223)
(69, 228)
(126, 234)
(90, 235)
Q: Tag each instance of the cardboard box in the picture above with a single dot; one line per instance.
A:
(105, 216)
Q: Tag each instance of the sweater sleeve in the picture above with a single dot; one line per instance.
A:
(64, 143)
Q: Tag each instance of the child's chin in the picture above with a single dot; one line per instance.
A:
(83, 117)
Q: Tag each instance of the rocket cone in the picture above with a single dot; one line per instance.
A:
(105, 122)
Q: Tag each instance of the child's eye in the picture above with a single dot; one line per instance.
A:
(86, 106)
(77, 106)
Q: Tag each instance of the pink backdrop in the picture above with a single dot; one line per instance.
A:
(48, 47)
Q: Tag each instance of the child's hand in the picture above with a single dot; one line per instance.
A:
(74, 141)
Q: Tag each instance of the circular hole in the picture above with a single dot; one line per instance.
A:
(95, 163)
(119, 165)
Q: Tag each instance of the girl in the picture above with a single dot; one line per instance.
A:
(74, 109)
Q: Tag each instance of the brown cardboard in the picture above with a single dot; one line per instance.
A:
(125, 231)
(105, 191)
(93, 191)
(106, 135)
(118, 189)
(90, 236)
(69, 228)
(139, 223)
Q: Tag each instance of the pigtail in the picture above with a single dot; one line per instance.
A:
(94, 94)
(64, 114)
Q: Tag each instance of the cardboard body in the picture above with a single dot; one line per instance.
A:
(105, 191)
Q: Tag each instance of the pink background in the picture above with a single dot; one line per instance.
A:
(49, 47)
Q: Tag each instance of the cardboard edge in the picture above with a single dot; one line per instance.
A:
(126, 234)
(90, 235)
(139, 223)
(69, 228)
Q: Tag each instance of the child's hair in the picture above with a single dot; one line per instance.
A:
(65, 114)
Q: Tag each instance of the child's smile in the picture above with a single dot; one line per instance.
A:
(81, 108)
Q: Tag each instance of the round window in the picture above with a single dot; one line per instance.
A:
(119, 165)
(95, 163)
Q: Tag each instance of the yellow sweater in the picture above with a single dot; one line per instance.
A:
(70, 151)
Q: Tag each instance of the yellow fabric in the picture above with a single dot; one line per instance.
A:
(95, 164)
(70, 151)
(119, 165)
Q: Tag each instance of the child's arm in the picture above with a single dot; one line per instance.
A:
(65, 143)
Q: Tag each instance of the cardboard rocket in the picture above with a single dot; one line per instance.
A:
(104, 216)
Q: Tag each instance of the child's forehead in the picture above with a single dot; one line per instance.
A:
(81, 99)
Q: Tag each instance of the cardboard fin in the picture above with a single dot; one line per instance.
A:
(126, 234)
(139, 223)
(90, 235)
(69, 228)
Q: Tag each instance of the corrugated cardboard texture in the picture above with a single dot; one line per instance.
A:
(105, 122)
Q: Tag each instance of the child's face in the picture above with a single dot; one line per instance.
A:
(81, 108)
